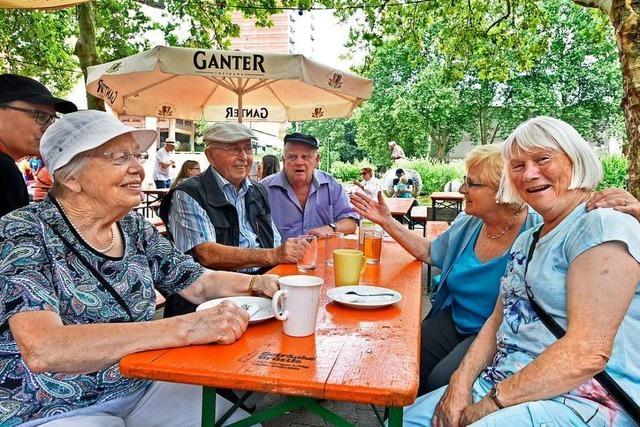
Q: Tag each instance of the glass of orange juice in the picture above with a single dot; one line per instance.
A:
(372, 246)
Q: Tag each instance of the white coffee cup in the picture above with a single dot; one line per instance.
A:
(296, 304)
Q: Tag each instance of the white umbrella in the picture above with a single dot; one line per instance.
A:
(215, 85)
(38, 4)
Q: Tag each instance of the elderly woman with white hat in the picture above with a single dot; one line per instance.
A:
(77, 280)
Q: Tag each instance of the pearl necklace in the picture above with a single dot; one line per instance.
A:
(511, 222)
(102, 251)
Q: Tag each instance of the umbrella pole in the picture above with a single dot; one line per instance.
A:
(240, 108)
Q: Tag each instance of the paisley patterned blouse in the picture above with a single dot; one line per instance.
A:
(39, 272)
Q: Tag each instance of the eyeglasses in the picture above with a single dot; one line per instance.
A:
(233, 149)
(121, 157)
(470, 185)
(41, 117)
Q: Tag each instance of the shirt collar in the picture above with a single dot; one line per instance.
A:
(223, 182)
(280, 180)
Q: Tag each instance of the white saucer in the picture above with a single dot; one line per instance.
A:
(264, 311)
(339, 295)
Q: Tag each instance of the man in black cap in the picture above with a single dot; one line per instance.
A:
(27, 108)
(305, 200)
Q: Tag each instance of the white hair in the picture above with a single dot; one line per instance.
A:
(548, 133)
(75, 165)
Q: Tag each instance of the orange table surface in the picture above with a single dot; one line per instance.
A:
(364, 356)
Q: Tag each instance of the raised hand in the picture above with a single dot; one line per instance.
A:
(376, 211)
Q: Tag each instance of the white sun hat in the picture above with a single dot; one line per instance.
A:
(76, 133)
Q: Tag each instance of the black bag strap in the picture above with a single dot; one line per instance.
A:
(95, 272)
(630, 407)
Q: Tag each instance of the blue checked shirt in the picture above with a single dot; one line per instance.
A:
(190, 226)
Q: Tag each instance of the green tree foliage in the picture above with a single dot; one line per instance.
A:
(336, 138)
(482, 67)
(56, 46)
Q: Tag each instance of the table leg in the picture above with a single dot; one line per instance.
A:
(395, 416)
(433, 210)
(208, 407)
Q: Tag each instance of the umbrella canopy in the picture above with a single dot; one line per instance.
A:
(220, 85)
(38, 4)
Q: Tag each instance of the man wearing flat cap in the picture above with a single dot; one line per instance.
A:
(221, 217)
(27, 108)
(164, 161)
(305, 200)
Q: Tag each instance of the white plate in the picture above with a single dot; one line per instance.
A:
(264, 311)
(339, 295)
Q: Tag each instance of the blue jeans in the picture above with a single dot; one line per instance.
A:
(162, 183)
(539, 413)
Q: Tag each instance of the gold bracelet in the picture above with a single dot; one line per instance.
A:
(251, 283)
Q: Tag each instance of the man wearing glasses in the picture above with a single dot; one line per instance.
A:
(221, 217)
(27, 108)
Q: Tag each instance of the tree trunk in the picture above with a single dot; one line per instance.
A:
(624, 17)
(85, 48)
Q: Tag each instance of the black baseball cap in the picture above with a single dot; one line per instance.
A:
(19, 88)
(301, 137)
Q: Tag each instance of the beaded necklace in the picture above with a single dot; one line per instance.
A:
(102, 251)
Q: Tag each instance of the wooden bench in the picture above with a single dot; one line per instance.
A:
(418, 215)
(432, 230)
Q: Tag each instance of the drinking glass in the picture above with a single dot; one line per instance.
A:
(372, 246)
(308, 247)
(332, 242)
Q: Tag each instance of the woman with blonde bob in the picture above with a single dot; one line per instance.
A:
(472, 255)
(579, 267)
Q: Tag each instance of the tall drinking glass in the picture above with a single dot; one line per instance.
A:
(372, 246)
(308, 247)
(332, 242)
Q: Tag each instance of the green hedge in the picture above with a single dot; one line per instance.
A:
(615, 172)
(436, 174)
(346, 172)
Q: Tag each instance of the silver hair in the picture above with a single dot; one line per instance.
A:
(67, 171)
(548, 133)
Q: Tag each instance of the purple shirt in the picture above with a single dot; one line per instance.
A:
(327, 202)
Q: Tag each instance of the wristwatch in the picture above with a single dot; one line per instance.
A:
(493, 394)
(333, 226)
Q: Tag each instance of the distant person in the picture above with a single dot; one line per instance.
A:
(164, 161)
(27, 108)
(270, 165)
(189, 168)
(305, 200)
(402, 189)
(369, 184)
(397, 153)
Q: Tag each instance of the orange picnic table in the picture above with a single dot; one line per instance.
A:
(400, 207)
(361, 356)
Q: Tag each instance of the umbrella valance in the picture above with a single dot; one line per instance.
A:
(217, 85)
